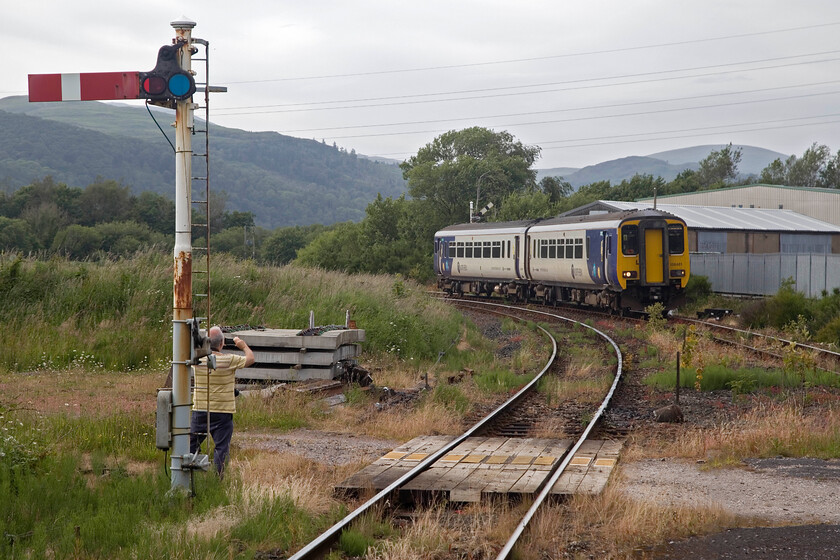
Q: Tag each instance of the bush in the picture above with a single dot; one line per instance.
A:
(698, 288)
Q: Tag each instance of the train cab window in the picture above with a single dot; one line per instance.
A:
(437, 246)
(460, 249)
(676, 239)
(630, 239)
(486, 250)
(578, 248)
(468, 253)
(552, 248)
(497, 249)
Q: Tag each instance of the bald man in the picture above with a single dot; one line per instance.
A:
(222, 402)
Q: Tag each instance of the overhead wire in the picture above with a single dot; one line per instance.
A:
(539, 58)
(406, 97)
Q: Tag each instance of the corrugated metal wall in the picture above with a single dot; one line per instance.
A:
(762, 274)
(822, 204)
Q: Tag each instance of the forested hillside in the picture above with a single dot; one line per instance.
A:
(283, 181)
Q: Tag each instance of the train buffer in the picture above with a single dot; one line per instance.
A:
(483, 468)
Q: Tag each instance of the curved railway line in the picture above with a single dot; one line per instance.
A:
(323, 542)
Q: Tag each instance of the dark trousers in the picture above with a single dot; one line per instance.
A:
(221, 430)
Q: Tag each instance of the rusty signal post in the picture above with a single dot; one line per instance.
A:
(169, 84)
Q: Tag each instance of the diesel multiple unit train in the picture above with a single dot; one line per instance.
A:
(620, 261)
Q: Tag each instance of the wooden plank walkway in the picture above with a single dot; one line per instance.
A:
(484, 468)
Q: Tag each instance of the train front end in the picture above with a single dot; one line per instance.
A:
(652, 261)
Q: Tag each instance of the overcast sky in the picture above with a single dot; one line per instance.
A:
(587, 81)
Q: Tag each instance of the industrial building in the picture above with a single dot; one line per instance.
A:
(822, 204)
(751, 250)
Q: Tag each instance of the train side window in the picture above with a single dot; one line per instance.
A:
(552, 248)
(543, 249)
(451, 246)
(630, 239)
(508, 248)
(570, 249)
(486, 252)
(460, 249)
(578, 248)
(497, 249)
(676, 239)
(560, 249)
(469, 250)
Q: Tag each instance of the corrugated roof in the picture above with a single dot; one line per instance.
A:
(725, 217)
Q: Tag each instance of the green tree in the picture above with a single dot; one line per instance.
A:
(459, 166)
(337, 249)
(128, 237)
(815, 168)
(104, 201)
(719, 167)
(45, 220)
(156, 211)
(283, 244)
(16, 235)
(830, 174)
(523, 206)
(556, 188)
(77, 241)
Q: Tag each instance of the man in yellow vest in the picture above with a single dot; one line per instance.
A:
(220, 385)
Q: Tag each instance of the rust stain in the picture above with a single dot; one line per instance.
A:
(182, 284)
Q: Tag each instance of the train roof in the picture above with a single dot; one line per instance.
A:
(493, 227)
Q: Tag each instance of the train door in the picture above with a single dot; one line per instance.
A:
(516, 257)
(595, 256)
(654, 256)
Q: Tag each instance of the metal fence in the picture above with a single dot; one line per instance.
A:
(762, 274)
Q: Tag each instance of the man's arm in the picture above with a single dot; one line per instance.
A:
(249, 354)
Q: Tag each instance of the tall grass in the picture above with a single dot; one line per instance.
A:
(741, 380)
(117, 315)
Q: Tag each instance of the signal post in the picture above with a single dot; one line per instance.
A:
(170, 84)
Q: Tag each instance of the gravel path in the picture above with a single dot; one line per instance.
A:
(776, 490)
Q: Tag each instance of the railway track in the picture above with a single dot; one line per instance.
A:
(491, 421)
(828, 359)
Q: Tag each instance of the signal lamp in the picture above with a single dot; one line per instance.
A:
(168, 80)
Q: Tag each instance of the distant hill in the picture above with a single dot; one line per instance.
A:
(666, 164)
(282, 180)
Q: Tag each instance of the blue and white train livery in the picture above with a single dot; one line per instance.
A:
(623, 260)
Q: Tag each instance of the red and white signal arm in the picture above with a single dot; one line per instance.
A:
(91, 86)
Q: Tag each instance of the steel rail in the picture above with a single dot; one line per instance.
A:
(558, 471)
(327, 538)
(824, 351)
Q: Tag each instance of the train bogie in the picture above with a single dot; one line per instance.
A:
(616, 261)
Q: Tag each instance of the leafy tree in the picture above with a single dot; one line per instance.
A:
(126, 238)
(523, 206)
(16, 235)
(77, 241)
(639, 186)
(460, 166)
(774, 174)
(281, 246)
(156, 211)
(719, 166)
(45, 220)
(43, 192)
(556, 188)
(830, 174)
(237, 219)
(337, 249)
(104, 201)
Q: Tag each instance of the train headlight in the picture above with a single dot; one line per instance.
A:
(629, 274)
(680, 273)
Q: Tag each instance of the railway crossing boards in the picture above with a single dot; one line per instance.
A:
(487, 467)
